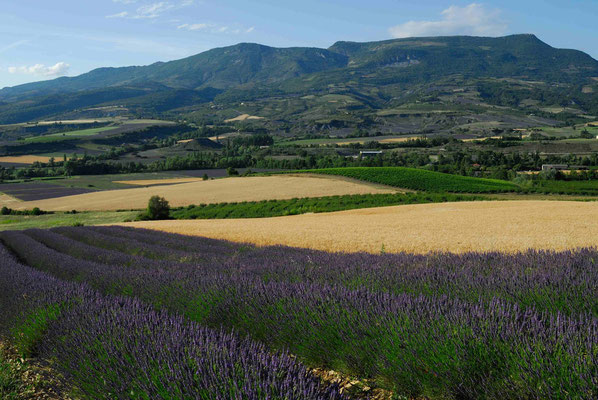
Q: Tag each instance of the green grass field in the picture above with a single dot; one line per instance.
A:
(276, 208)
(18, 222)
(64, 136)
(418, 179)
(584, 188)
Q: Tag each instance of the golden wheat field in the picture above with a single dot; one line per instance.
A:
(26, 159)
(150, 182)
(506, 226)
(212, 191)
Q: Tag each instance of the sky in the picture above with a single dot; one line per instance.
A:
(42, 39)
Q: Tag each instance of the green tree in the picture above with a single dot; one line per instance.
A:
(158, 208)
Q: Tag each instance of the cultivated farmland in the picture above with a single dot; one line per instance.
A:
(418, 179)
(212, 191)
(457, 227)
(144, 314)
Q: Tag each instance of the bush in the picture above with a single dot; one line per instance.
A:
(158, 208)
(5, 211)
(230, 171)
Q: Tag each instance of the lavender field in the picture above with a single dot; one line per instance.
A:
(126, 313)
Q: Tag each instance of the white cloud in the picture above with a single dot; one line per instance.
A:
(195, 27)
(215, 28)
(58, 69)
(474, 19)
(125, 1)
(186, 3)
(153, 10)
(123, 14)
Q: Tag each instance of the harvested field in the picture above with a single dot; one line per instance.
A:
(25, 159)
(154, 182)
(213, 191)
(8, 201)
(243, 117)
(456, 227)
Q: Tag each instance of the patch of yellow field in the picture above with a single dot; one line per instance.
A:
(587, 89)
(397, 140)
(212, 191)
(506, 226)
(243, 117)
(150, 182)
(8, 201)
(27, 159)
(185, 141)
(481, 139)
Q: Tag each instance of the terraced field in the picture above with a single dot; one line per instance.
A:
(457, 227)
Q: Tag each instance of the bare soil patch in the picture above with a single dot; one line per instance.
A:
(243, 117)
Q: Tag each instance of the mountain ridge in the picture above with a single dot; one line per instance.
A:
(251, 70)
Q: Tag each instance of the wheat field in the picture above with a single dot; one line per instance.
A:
(26, 159)
(505, 226)
(150, 182)
(212, 191)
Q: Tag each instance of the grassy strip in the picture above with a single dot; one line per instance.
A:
(19, 222)
(419, 179)
(276, 208)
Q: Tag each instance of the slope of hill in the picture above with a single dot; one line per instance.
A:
(373, 75)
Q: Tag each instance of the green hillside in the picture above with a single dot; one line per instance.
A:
(375, 75)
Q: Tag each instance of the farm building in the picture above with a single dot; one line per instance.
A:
(370, 153)
(563, 167)
(556, 167)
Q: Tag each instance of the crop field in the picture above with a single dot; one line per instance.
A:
(153, 182)
(506, 226)
(25, 159)
(39, 191)
(275, 208)
(418, 179)
(212, 191)
(127, 313)
(51, 220)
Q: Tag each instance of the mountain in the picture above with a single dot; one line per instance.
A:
(251, 71)
(218, 68)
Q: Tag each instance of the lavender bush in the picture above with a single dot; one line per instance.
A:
(117, 347)
(442, 325)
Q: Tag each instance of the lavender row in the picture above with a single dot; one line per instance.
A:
(564, 281)
(114, 347)
(415, 344)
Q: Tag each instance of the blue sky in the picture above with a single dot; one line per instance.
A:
(42, 40)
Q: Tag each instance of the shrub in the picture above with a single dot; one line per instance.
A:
(230, 171)
(158, 208)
